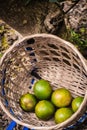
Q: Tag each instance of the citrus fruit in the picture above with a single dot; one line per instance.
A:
(27, 102)
(44, 109)
(61, 97)
(76, 103)
(62, 114)
(42, 89)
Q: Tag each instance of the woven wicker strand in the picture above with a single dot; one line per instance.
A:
(51, 58)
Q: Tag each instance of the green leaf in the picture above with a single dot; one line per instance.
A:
(4, 43)
(1, 54)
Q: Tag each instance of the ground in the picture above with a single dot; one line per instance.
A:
(26, 19)
(30, 19)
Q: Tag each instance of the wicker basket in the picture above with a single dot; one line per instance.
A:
(41, 56)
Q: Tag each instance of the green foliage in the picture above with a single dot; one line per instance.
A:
(78, 39)
(1, 29)
(1, 54)
(4, 43)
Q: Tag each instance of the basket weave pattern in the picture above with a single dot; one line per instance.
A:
(41, 56)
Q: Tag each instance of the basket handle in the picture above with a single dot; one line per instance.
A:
(11, 126)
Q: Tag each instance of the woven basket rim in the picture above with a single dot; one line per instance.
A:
(45, 35)
(85, 97)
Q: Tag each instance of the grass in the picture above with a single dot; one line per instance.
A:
(78, 39)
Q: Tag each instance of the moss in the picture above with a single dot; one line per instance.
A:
(1, 29)
(4, 43)
(82, 30)
(1, 54)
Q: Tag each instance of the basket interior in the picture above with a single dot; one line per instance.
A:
(34, 58)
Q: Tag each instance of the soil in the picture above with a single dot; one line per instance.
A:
(31, 18)
(27, 19)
